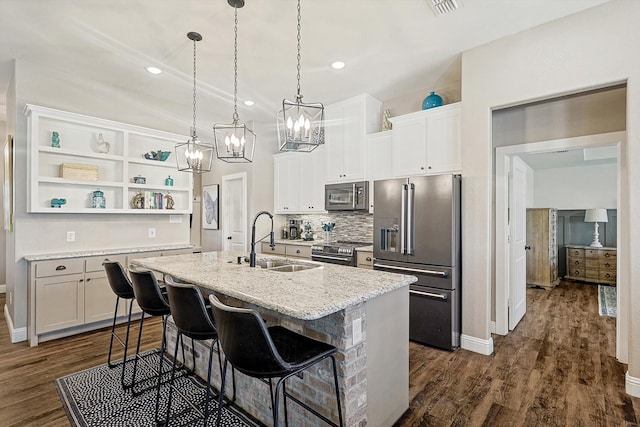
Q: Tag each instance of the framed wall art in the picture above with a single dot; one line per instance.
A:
(210, 211)
(7, 202)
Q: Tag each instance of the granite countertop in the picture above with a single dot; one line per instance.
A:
(298, 242)
(307, 295)
(82, 254)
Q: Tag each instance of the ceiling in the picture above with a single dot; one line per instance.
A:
(571, 158)
(390, 47)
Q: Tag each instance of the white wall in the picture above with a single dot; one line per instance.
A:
(580, 187)
(3, 238)
(595, 48)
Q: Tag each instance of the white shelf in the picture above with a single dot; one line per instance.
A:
(78, 144)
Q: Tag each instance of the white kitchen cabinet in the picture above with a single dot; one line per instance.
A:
(378, 160)
(109, 167)
(347, 124)
(427, 142)
(299, 182)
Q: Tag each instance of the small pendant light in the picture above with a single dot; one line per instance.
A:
(300, 125)
(235, 142)
(194, 155)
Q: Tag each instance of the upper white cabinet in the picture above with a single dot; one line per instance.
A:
(378, 160)
(299, 182)
(346, 125)
(96, 154)
(427, 142)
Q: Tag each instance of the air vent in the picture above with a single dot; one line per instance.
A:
(442, 7)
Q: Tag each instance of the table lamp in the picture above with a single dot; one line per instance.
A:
(596, 216)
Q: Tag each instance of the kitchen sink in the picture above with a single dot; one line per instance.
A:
(285, 266)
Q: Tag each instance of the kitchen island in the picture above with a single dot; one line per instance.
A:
(363, 313)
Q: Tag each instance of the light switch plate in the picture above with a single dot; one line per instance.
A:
(71, 236)
(152, 233)
(357, 330)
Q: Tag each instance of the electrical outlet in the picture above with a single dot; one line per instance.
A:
(152, 233)
(71, 236)
(357, 330)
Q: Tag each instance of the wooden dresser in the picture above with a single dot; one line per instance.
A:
(591, 264)
(542, 249)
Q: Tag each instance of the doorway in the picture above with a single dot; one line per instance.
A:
(234, 212)
(504, 284)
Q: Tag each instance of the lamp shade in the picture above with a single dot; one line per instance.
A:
(596, 215)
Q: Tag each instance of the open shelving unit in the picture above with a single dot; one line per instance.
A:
(124, 160)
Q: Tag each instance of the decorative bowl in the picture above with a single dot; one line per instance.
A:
(157, 155)
(432, 101)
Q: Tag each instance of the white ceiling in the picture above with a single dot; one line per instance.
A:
(391, 47)
(571, 158)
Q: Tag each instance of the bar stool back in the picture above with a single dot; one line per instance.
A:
(121, 286)
(268, 352)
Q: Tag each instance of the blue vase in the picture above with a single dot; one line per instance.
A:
(433, 100)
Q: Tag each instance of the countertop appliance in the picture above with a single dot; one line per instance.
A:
(352, 196)
(416, 231)
(294, 229)
(341, 252)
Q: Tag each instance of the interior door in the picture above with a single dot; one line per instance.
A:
(518, 241)
(234, 212)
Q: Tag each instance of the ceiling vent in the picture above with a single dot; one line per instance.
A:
(442, 7)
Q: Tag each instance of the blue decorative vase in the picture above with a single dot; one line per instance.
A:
(431, 101)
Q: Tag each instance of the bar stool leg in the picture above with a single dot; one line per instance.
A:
(173, 375)
(335, 381)
(223, 377)
(135, 361)
(113, 331)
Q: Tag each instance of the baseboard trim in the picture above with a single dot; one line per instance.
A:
(17, 335)
(632, 385)
(476, 345)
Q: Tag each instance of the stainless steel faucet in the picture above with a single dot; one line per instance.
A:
(252, 255)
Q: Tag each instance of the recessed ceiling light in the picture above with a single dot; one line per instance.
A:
(337, 65)
(154, 70)
(249, 103)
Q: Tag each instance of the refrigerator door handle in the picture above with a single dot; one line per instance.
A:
(413, 270)
(354, 193)
(429, 294)
(410, 220)
(403, 221)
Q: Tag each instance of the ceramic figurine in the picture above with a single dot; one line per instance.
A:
(168, 181)
(386, 120)
(103, 146)
(170, 203)
(56, 203)
(55, 139)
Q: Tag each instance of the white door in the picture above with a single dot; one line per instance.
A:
(518, 240)
(234, 212)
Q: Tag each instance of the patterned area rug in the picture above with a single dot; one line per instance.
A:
(607, 300)
(94, 397)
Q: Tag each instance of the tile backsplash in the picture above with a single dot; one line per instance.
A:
(350, 226)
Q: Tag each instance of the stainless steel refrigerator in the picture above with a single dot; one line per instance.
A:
(416, 230)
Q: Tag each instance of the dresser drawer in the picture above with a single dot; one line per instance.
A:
(365, 259)
(575, 252)
(592, 263)
(591, 273)
(59, 267)
(576, 272)
(575, 262)
(591, 253)
(605, 254)
(607, 276)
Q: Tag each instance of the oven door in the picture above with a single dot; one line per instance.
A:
(333, 259)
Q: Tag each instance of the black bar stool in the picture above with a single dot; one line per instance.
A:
(268, 352)
(121, 286)
(194, 320)
(153, 302)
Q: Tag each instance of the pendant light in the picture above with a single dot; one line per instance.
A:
(194, 155)
(300, 125)
(235, 142)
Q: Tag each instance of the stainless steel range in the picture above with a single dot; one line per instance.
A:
(341, 252)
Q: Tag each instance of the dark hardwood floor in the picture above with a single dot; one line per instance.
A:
(558, 368)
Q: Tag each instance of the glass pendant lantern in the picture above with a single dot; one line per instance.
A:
(194, 155)
(300, 125)
(235, 142)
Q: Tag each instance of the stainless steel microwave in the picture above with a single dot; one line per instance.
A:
(351, 196)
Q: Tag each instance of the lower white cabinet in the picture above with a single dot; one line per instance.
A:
(72, 295)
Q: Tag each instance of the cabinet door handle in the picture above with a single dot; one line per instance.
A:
(368, 258)
(61, 268)
(607, 254)
(297, 251)
(527, 248)
(89, 279)
(607, 265)
(229, 238)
